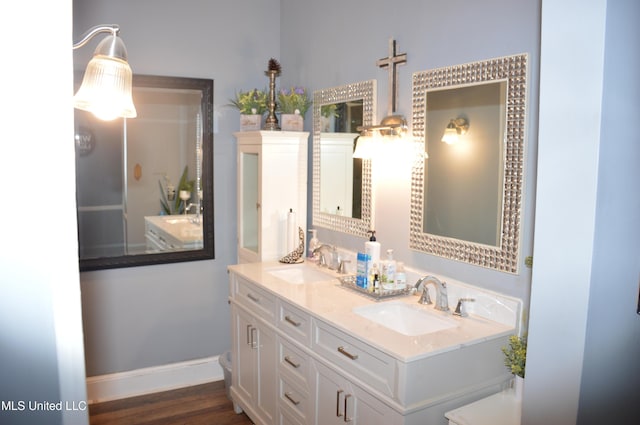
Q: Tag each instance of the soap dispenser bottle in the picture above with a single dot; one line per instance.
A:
(372, 248)
(313, 243)
(389, 271)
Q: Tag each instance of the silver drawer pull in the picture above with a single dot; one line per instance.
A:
(293, 322)
(291, 399)
(291, 362)
(341, 350)
(338, 414)
(253, 297)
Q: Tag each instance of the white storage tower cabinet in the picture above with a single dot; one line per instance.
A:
(272, 179)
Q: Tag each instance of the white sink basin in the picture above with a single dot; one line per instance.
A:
(407, 319)
(300, 273)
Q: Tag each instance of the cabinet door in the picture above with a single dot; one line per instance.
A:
(331, 397)
(254, 369)
(249, 203)
(244, 357)
(266, 376)
(338, 401)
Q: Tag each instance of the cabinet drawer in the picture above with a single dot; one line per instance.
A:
(294, 322)
(254, 298)
(293, 400)
(370, 365)
(293, 364)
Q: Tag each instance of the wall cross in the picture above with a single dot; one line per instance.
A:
(391, 62)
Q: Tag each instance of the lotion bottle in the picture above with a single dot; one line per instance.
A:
(389, 271)
(372, 247)
(313, 243)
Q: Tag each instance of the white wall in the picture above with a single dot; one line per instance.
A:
(41, 354)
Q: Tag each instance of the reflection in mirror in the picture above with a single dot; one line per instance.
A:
(340, 173)
(144, 185)
(341, 183)
(466, 197)
(467, 175)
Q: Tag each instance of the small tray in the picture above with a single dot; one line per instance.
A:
(349, 282)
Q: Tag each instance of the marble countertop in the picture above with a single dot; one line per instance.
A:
(503, 408)
(329, 301)
(180, 226)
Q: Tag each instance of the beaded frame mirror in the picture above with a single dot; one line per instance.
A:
(504, 256)
(364, 91)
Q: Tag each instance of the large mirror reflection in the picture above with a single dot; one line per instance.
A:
(466, 174)
(144, 185)
(467, 189)
(340, 173)
(341, 183)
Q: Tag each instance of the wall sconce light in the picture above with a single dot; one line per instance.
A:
(454, 130)
(107, 82)
(391, 126)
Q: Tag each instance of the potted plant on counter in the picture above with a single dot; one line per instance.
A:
(293, 104)
(252, 106)
(515, 357)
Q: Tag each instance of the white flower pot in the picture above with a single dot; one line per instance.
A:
(518, 386)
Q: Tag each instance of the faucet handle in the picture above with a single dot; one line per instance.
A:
(460, 310)
(342, 268)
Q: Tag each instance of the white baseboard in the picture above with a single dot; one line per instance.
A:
(153, 379)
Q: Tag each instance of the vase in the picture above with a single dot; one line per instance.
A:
(518, 386)
(291, 122)
(250, 122)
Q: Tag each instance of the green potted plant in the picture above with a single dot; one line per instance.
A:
(293, 104)
(169, 202)
(515, 357)
(327, 115)
(252, 106)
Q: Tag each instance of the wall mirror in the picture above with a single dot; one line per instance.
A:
(342, 198)
(466, 196)
(144, 186)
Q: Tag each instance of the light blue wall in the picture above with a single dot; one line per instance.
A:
(610, 394)
(584, 333)
(334, 42)
(147, 316)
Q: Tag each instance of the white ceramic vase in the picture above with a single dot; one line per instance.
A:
(518, 386)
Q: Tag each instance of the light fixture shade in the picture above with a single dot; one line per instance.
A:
(450, 136)
(364, 147)
(107, 82)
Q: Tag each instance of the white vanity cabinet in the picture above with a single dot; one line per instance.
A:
(277, 378)
(272, 179)
(302, 357)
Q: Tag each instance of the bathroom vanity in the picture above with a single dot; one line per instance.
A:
(307, 350)
(173, 232)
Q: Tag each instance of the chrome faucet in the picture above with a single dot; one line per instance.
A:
(442, 301)
(321, 253)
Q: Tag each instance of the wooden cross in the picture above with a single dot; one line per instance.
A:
(391, 62)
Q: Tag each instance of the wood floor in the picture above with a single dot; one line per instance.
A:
(205, 404)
